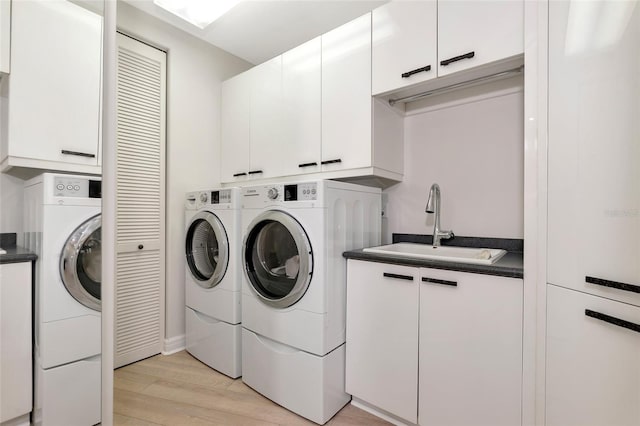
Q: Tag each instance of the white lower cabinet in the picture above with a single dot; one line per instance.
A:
(470, 369)
(435, 347)
(593, 360)
(382, 336)
(15, 342)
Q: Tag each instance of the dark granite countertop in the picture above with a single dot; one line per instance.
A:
(510, 265)
(14, 253)
(17, 254)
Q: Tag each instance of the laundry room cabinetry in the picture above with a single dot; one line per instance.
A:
(51, 99)
(404, 37)
(594, 156)
(470, 368)
(474, 33)
(382, 336)
(421, 343)
(252, 123)
(346, 96)
(15, 348)
(5, 37)
(415, 42)
(298, 149)
(316, 115)
(593, 354)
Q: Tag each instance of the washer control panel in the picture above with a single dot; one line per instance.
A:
(69, 186)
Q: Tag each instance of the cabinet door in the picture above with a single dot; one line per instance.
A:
(593, 361)
(5, 36)
(382, 336)
(404, 44)
(299, 151)
(235, 122)
(594, 154)
(470, 349)
(472, 33)
(346, 96)
(266, 119)
(15, 350)
(55, 83)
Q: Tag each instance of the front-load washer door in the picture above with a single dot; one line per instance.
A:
(207, 249)
(81, 263)
(278, 259)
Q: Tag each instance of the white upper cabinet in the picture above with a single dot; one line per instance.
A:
(252, 123)
(404, 38)
(236, 127)
(594, 150)
(299, 150)
(266, 119)
(346, 96)
(309, 111)
(593, 360)
(473, 33)
(5, 37)
(53, 112)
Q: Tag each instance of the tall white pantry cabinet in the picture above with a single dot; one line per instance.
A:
(593, 291)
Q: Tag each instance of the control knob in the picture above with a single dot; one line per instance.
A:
(203, 197)
(273, 193)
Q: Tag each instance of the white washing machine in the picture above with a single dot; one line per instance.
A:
(213, 279)
(63, 227)
(294, 288)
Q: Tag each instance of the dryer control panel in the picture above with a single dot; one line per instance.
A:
(301, 192)
(222, 196)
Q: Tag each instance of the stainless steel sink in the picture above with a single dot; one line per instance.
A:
(480, 256)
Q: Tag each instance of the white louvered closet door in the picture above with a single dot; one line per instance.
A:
(140, 274)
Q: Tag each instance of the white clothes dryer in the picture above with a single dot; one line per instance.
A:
(63, 227)
(294, 288)
(212, 278)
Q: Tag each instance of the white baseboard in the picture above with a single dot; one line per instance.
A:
(378, 412)
(18, 421)
(174, 344)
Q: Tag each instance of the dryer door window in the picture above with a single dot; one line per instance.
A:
(81, 263)
(207, 249)
(278, 259)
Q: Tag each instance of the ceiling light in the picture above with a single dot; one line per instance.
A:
(197, 12)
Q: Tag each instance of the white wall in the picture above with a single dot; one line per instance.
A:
(11, 204)
(472, 144)
(195, 71)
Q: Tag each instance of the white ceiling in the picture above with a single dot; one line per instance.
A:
(259, 30)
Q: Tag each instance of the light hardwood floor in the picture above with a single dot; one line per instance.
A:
(180, 390)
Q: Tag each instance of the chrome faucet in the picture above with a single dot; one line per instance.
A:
(433, 206)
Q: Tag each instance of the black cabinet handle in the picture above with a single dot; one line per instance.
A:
(255, 172)
(397, 276)
(308, 164)
(338, 160)
(416, 71)
(239, 174)
(613, 284)
(613, 320)
(140, 246)
(457, 58)
(78, 154)
(437, 281)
